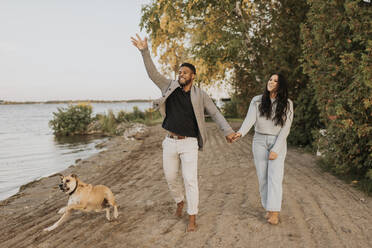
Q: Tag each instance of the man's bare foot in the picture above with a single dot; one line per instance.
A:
(179, 209)
(274, 218)
(191, 227)
(268, 215)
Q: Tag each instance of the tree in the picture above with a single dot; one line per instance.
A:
(337, 56)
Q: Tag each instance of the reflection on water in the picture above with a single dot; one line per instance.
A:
(71, 141)
(29, 150)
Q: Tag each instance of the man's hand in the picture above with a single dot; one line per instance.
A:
(236, 137)
(139, 43)
(233, 137)
(230, 137)
(273, 155)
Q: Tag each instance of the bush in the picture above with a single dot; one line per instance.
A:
(306, 119)
(337, 57)
(230, 109)
(75, 119)
(137, 115)
(147, 117)
(108, 122)
(71, 120)
(152, 116)
(122, 116)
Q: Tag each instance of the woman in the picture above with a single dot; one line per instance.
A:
(272, 115)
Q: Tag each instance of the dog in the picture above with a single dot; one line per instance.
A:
(85, 197)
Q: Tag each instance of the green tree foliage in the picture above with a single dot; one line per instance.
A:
(71, 120)
(274, 46)
(306, 121)
(176, 28)
(323, 48)
(230, 109)
(241, 41)
(337, 56)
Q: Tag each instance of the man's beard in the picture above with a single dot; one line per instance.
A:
(185, 83)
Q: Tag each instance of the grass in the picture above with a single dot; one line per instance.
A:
(109, 122)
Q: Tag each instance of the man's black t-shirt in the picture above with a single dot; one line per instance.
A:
(180, 116)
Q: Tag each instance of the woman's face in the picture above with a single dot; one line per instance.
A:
(272, 85)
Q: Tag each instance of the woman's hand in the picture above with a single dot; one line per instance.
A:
(273, 155)
(236, 137)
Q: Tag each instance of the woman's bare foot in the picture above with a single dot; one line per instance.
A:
(274, 218)
(268, 215)
(179, 209)
(191, 227)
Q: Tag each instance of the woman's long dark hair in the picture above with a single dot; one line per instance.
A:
(281, 100)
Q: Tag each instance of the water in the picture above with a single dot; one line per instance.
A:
(29, 150)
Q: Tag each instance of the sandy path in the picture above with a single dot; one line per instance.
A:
(318, 209)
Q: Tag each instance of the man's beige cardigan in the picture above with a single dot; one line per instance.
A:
(199, 99)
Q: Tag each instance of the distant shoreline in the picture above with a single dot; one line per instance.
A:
(73, 101)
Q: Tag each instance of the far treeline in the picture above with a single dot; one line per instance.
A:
(324, 48)
(74, 101)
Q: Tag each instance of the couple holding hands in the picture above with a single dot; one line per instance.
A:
(183, 105)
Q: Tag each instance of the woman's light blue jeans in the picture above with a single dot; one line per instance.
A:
(269, 172)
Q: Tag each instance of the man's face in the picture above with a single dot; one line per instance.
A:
(185, 76)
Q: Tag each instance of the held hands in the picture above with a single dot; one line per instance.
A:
(230, 137)
(236, 136)
(139, 43)
(233, 137)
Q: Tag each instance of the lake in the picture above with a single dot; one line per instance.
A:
(29, 150)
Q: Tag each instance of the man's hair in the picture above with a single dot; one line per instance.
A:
(191, 66)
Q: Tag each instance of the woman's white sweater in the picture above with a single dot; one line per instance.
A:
(267, 126)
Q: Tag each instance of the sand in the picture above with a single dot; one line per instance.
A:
(318, 209)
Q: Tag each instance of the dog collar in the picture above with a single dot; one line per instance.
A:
(74, 188)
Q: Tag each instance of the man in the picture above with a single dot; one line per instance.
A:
(182, 105)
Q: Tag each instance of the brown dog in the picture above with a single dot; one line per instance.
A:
(85, 197)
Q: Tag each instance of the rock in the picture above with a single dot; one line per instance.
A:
(136, 131)
(94, 127)
(149, 203)
(319, 153)
(120, 129)
(345, 230)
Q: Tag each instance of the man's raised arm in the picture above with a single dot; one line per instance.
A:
(161, 81)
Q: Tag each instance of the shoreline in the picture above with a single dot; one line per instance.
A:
(25, 186)
(74, 101)
(105, 144)
(92, 144)
(30, 150)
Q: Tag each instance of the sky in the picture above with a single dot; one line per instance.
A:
(71, 50)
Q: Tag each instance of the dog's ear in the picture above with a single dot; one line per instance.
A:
(74, 176)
